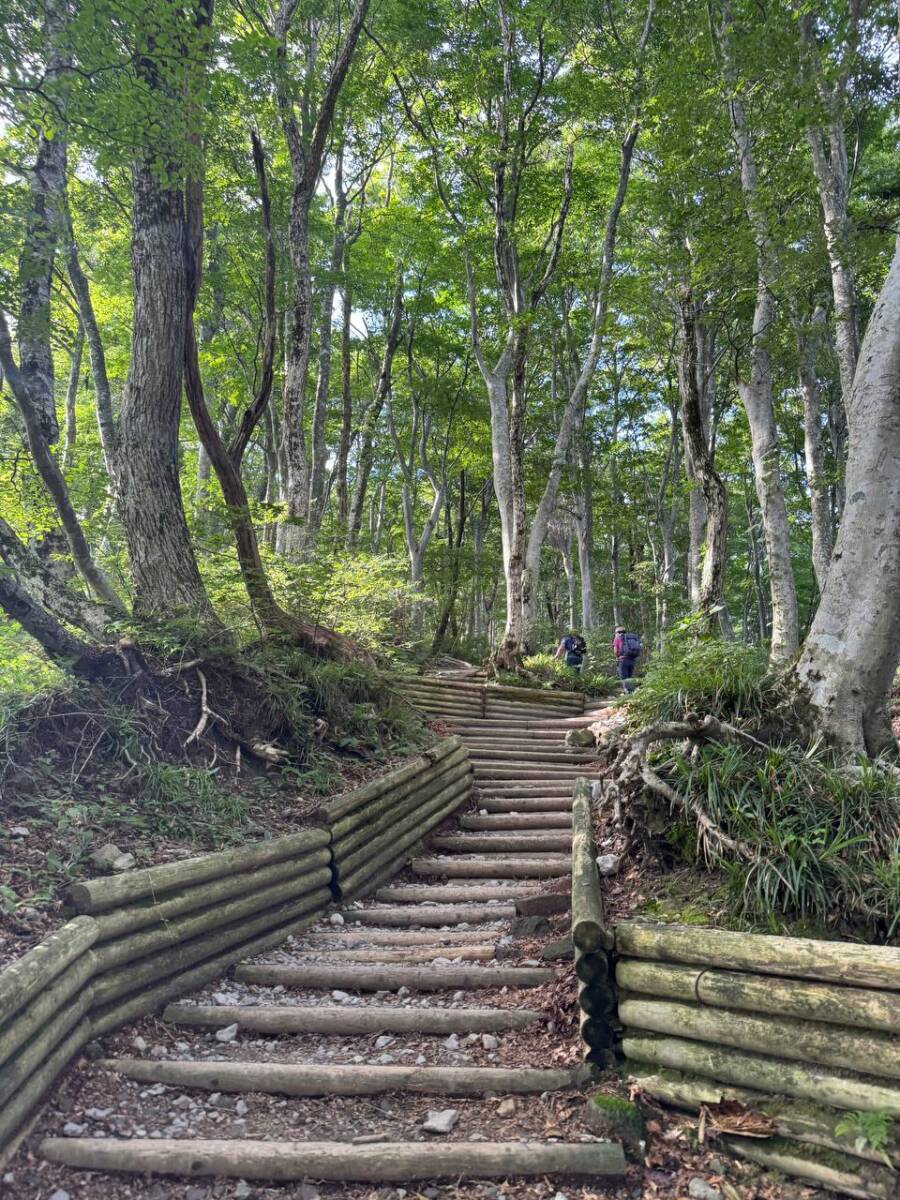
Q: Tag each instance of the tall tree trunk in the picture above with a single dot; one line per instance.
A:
(816, 479)
(696, 504)
(343, 454)
(164, 569)
(756, 389)
(72, 397)
(852, 651)
(711, 599)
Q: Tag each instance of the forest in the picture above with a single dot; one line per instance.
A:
(341, 338)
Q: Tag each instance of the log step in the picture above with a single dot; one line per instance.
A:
(515, 821)
(390, 979)
(501, 843)
(399, 937)
(527, 804)
(551, 867)
(466, 890)
(472, 914)
(302, 1079)
(529, 755)
(414, 954)
(335, 1161)
(347, 1022)
(502, 789)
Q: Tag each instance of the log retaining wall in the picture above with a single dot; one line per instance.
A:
(463, 699)
(145, 937)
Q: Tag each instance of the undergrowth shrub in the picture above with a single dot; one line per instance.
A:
(545, 671)
(714, 676)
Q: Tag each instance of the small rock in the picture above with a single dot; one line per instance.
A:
(97, 1114)
(111, 858)
(452, 1042)
(225, 998)
(228, 1034)
(243, 1190)
(508, 1107)
(442, 1121)
(341, 997)
(489, 1041)
(431, 1193)
(335, 919)
(72, 1129)
(535, 926)
(183, 1102)
(403, 991)
(20, 831)
(59, 1194)
(420, 1060)
(699, 1189)
(139, 1044)
(307, 1192)
(194, 1193)
(561, 948)
(718, 1166)
(608, 864)
(158, 1052)
(583, 738)
(94, 1050)
(241, 1108)
(382, 1042)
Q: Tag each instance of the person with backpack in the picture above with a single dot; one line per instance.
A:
(574, 647)
(626, 648)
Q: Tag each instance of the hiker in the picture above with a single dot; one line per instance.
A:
(574, 647)
(627, 650)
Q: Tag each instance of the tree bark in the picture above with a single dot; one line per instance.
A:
(711, 597)
(819, 499)
(42, 584)
(343, 454)
(756, 389)
(72, 397)
(853, 648)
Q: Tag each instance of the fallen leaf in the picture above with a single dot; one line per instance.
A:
(730, 1116)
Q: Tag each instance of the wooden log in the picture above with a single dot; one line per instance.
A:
(597, 1031)
(874, 1053)
(840, 1089)
(491, 868)
(386, 1162)
(313, 976)
(364, 936)
(340, 806)
(534, 755)
(363, 873)
(26, 977)
(833, 1171)
(347, 1022)
(471, 914)
(534, 789)
(796, 1119)
(501, 843)
(410, 954)
(119, 921)
(516, 821)
(526, 804)
(387, 808)
(137, 974)
(97, 895)
(589, 929)
(590, 967)
(419, 894)
(29, 1021)
(17, 1108)
(385, 839)
(146, 942)
(302, 1079)
(799, 958)
(860, 1007)
(596, 999)
(19, 1069)
(148, 999)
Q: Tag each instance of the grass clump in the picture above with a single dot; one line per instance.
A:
(545, 671)
(713, 676)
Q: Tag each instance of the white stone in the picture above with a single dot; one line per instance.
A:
(241, 1108)
(72, 1129)
(452, 1042)
(139, 1044)
(228, 1034)
(608, 864)
(20, 831)
(59, 1194)
(489, 1041)
(335, 919)
(508, 1107)
(341, 997)
(440, 1120)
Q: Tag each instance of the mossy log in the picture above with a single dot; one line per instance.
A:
(487, 867)
(589, 929)
(410, 955)
(539, 754)
(29, 1021)
(837, 1088)
(16, 1109)
(873, 1053)
(412, 825)
(97, 895)
(147, 999)
(303, 1079)
(347, 1022)
(501, 843)
(146, 942)
(397, 937)
(435, 915)
(120, 921)
(800, 958)
(370, 867)
(802, 1121)
(826, 1168)
(596, 999)
(27, 976)
(387, 1162)
(597, 1032)
(386, 808)
(341, 806)
(390, 978)
(861, 1007)
(516, 821)
(136, 975)
(19, 1069)
(460, 893)
(528, 802)
(591, 968)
